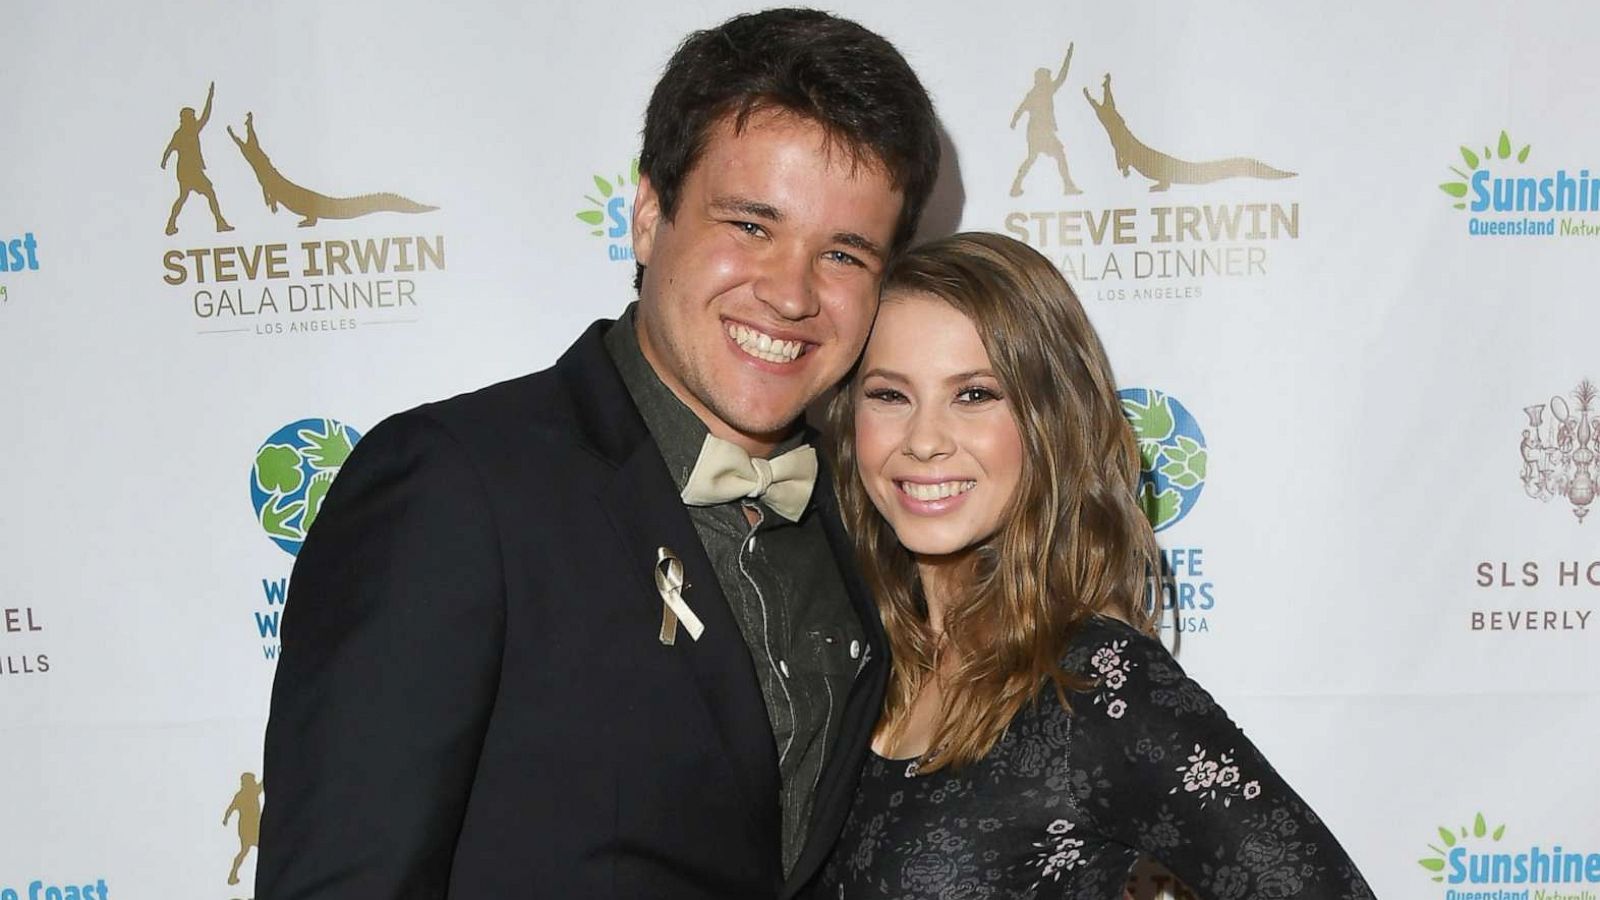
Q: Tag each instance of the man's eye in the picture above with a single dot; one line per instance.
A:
(749, 228)
(840, 256)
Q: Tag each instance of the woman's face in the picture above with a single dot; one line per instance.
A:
(937, 446)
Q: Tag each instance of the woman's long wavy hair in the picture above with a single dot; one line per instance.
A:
(1073, 542)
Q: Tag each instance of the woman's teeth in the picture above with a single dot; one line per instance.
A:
(943, 489)
(764, 346)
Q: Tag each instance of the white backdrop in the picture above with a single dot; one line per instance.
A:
(1356, 540)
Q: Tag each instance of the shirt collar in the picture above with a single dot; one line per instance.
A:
(678, 432)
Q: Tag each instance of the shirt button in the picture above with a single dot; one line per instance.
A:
(783, 666)
(855, 649)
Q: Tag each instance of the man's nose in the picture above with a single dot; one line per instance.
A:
(788, 283)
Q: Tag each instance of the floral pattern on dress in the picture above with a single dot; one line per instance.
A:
(1066, 801)
(1112, 669)
(1209, 779)
(1059, 852)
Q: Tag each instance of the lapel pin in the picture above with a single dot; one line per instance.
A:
(669, 581)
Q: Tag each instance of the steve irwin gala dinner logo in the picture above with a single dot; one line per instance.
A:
(269, 284)
(1098, 146)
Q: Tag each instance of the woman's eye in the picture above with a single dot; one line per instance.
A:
(976, 395)
(885, 395)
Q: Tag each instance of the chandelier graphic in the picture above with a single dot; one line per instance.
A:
(1558, 457)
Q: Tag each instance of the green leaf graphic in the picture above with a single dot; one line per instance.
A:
(1479, 827)
(1522, 155)
(1448, 838)
(1432, 865)
(329, 449)
(603, 185)
(1498, 832)
(1469, 156)
(1505, 145)
(591, 217)
(278, 469)
(1454, 188)
(1152, 421)
(1149, 453)
(634, 171)
(274, 520)
(1161, 508)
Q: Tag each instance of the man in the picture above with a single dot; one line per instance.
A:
(550, 639)
(191, 164)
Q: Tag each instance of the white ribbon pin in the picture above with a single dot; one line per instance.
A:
(669, 581)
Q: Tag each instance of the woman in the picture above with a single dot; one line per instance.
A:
(1036, 737)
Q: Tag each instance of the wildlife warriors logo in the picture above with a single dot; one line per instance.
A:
(276, 189)
(1559, 456)
(1172, 455)
(293, 471)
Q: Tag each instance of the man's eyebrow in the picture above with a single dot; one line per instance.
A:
(859, 242)
(743, 206)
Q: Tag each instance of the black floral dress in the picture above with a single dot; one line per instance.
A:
(1063, 805)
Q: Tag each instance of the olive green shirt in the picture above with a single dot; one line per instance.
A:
(783, 585)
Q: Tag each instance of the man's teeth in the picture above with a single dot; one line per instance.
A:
(763, 346)
(938, 491)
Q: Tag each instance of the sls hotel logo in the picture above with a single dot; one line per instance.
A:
(1175, 223)
(305, 284)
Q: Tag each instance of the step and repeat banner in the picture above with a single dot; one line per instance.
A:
(1343, 256)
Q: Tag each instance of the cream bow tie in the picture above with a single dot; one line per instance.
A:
(725, 472)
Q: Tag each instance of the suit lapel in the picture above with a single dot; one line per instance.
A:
(641, 501)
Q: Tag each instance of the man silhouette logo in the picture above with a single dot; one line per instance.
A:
(1040, 105)
(247, 803)
(191, 164)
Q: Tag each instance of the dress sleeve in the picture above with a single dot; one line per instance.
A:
(1177, 780)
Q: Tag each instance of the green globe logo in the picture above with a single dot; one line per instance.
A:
(293, 471)
(1172, 455)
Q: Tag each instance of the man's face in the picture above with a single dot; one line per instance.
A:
(759, 293)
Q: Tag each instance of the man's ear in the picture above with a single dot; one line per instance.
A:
(646, 218)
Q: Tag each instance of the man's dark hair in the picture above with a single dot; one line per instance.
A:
(847, 79)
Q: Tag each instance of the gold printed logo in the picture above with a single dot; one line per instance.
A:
(1043, 136)
(247, 803)
(310, 205)
(1162, 168)
(191, 164)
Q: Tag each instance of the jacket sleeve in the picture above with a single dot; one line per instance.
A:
(1180, 782)
(391, 643)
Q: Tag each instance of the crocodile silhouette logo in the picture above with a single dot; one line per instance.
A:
(1163, 169)
(310, 205)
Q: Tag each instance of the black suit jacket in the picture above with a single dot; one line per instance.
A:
(472, 700)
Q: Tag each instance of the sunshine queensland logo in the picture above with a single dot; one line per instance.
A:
(294, 468)
(1477, 861)
(609, 212)
(1172, 455)
(1508, 197)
